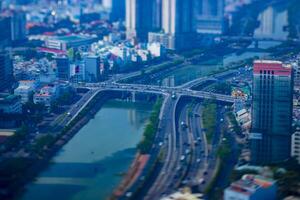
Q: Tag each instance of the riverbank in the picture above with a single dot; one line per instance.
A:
(142, 159)
(26, 169)
(131, 176)
(51, 147)
(94, 154)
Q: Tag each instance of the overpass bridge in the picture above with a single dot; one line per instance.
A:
(167, 124)
(161, 90)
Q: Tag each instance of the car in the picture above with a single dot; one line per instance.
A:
(198, 160)
(201, 180)
(183, 125)
(182, 158)
(184, 182)
(128, 194)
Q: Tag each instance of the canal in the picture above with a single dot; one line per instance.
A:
(191, 72)
(91, 164)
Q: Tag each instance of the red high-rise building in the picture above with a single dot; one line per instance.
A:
(271, 112)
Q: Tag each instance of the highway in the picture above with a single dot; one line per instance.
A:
(169, 147)
(185, 150)
(79, 106)
(190, 160)
(200, 149)
(187, 158)
(185, 146)
(185, 161)
(74, 110)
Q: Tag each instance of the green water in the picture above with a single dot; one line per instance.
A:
(89, 166)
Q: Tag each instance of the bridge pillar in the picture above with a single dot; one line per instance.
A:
(256, 44)
(124, 95)
(133, 97)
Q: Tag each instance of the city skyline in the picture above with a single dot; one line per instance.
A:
(149, 99)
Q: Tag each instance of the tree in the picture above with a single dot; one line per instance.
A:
(19, 135)
(54, 107)
(71, 54)
(223, 88)
(78, 56)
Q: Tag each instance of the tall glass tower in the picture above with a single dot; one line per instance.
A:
(270, 140)
(139, 19)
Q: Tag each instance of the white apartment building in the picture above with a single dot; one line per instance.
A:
(295, 150)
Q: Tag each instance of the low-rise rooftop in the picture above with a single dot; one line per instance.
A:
(250, 183)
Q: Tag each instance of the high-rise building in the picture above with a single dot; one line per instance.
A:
(18, 26)
(209, 16)
(296, 68)
(77, 71)
(269, 26)
(6, 71)
(157, 14)
(63, 68)
(13, 26)
(270, 138)
(117, 9)
(5, 33)
(139, 19)
(178, 29)
(92, 68)
(295, 150)
(107, 3)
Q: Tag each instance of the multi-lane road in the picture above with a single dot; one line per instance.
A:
(187, 160)
(167, 131)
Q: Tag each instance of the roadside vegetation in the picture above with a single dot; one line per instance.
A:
(223, 88)
(14, 140)
(223, 153)
(14, 172)
(209, 119)
(154, 69)
(226, 156)
(224, 149)
(236, 127)
(150, 130)
(210, 187)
